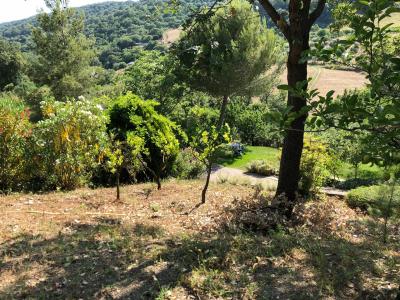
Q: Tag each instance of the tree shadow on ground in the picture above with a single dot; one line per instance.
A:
(106, 259)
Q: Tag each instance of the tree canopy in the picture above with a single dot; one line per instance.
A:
(11, 62)
(228, 53)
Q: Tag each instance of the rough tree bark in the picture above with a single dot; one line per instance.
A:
(297, 32)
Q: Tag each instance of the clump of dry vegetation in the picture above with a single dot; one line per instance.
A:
(83, 245)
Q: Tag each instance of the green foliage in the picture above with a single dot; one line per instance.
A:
(347, 146)
(152, 137)
(68, 143)
(187, 166)
(115, 155)
(229, 53)
(152, 77)
(375, 200)
(64, 54)
(208, 143)
(15, 131)
(11, 63)
(250, 122)
(119, 28)
(376, 109)
(200, 119)
(353, 183)
(316, 166)
(261, 167)
(35, 97)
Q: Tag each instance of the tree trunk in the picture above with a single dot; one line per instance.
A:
(289, 172)
(221, 120)
(158, 180)
(222, 112)
(204, 191)
(118, 193)
(296, 29)
(356, 171)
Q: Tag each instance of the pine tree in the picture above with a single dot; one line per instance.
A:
(64, 53)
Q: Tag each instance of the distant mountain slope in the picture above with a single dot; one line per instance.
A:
(117, 26)
(121, 28)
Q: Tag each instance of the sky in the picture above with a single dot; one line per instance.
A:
(11, 10)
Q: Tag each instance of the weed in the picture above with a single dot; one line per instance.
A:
(154, 207)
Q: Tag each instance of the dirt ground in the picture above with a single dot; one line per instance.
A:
(164, 245)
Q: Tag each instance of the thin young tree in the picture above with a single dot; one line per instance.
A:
(226, 55)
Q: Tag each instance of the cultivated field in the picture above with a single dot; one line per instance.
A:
(325, 80)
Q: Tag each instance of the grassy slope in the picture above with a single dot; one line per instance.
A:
(158, 245)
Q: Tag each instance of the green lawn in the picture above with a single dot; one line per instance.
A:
(268, 154)
(272, 155)
(365, 171)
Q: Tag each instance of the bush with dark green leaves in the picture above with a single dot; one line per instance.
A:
(352, 183)
(375, 200)
(152, 138)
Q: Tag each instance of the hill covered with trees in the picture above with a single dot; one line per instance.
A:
(118, 28)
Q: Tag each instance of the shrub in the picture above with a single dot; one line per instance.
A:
(374, 200)
(350, 184)
(69, 142)
(15, 130)
(316, 166)
(187, 166)
(261, 167)
(151, 137)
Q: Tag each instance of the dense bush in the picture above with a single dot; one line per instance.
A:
(187, 166)
(250, 122)
(15, 130)
(68, 143)
(317, 164)
(261, 167)
(353, 183)
(375, 199)
(151, 137)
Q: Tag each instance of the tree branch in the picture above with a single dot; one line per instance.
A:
(279, 21)
(317, 12)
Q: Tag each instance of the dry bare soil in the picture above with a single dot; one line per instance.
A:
(163, 245)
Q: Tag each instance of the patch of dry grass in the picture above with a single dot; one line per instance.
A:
(325, 79)
(84, 245)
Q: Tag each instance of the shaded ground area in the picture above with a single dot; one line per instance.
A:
(158, 245)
